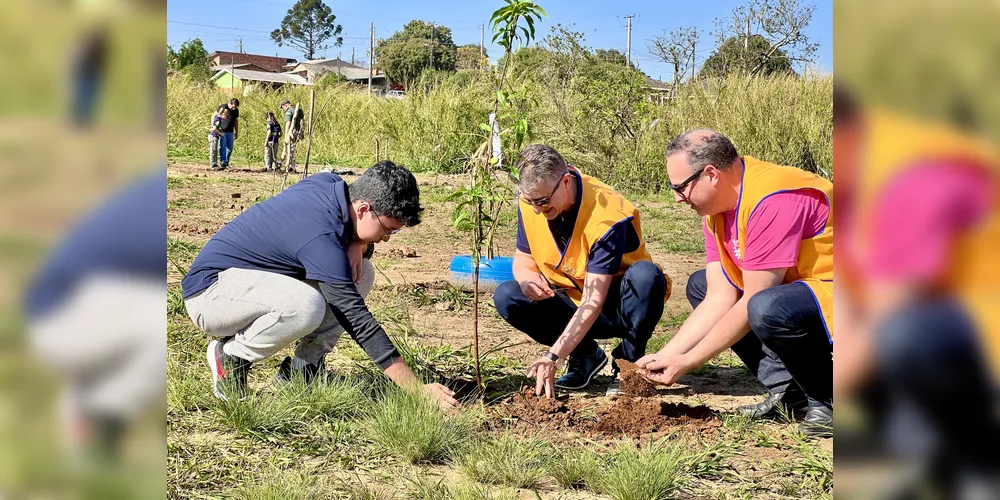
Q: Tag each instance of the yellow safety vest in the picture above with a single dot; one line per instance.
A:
(600, 209)
(814, 267)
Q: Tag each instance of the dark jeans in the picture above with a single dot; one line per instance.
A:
(787, 347)
(932, 371)
(226, 147)
(632, 309)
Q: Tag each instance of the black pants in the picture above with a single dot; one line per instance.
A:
(632, 309)
(787, 347)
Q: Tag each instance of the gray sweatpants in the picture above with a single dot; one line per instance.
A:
(213, 150)
(270, 155)
(265, 312)
(108, 340)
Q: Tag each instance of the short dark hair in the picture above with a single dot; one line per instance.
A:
(537, 163)
(391, 190)
(235, 102)
(704, 147)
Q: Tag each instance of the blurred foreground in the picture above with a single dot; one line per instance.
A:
(917, 118)
(82, 216)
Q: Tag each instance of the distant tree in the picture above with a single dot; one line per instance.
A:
(676, 48)
(780, 23)
(191, 58)
(612, 56)
(404, 55)
(189, 53)
(758, 57)
(306, 26)
(467, 57)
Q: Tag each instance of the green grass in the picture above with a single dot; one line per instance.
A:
(280, 486)
(577, 469)
(409, 425)
(508, 461)
(653, 472)
(261, 414)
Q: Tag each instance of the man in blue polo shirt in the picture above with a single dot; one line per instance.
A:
(290, 268)
(581, 272)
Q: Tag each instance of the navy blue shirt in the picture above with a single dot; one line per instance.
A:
(303, 233)
(273, 132)
(126, 235)
(605, 256)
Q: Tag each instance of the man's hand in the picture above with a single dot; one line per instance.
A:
(355, 252)
(544, 371)
(536, 288)
(443, 395)
(664, 369)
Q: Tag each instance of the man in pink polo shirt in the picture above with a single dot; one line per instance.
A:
(766, 290)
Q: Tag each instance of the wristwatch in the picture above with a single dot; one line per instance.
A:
(551, 355)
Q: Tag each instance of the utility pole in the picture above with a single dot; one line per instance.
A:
(340, 72)
(352, 55)
(628, 46)
(241, 45)
(482, 44)
(371, 56)
(694, 60)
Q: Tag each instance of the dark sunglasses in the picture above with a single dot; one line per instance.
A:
(680, 187)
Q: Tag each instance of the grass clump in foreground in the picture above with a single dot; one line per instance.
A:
(577, 469)
(279, 486)
(292, 407)
(261, 413)
(411, 425)
(508, 461)
(425, 488)
(653, 472)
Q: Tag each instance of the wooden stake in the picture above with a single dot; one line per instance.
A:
(309, 140)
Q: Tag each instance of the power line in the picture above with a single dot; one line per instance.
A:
(218, 27)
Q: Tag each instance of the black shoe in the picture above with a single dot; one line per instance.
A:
(775, 405)
(309, 373)
(818, 422)
(229, 373)
(214, 167)
(580, 370)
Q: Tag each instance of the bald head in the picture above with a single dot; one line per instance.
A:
(703, 147)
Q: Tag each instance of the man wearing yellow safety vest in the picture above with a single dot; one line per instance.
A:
(767, 289)
(581, 272)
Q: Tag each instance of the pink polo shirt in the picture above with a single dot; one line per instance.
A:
(774, 232)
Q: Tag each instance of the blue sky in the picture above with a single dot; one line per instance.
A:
(602, 22)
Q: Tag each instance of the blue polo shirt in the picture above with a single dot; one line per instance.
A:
(605, 256)
(303, 233)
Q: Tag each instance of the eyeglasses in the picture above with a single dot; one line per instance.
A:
(388, 232)
(543, 202)
(679, 188)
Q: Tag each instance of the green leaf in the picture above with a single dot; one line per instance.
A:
(485, 128)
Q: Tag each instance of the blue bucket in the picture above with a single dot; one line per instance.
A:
(492, 272)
